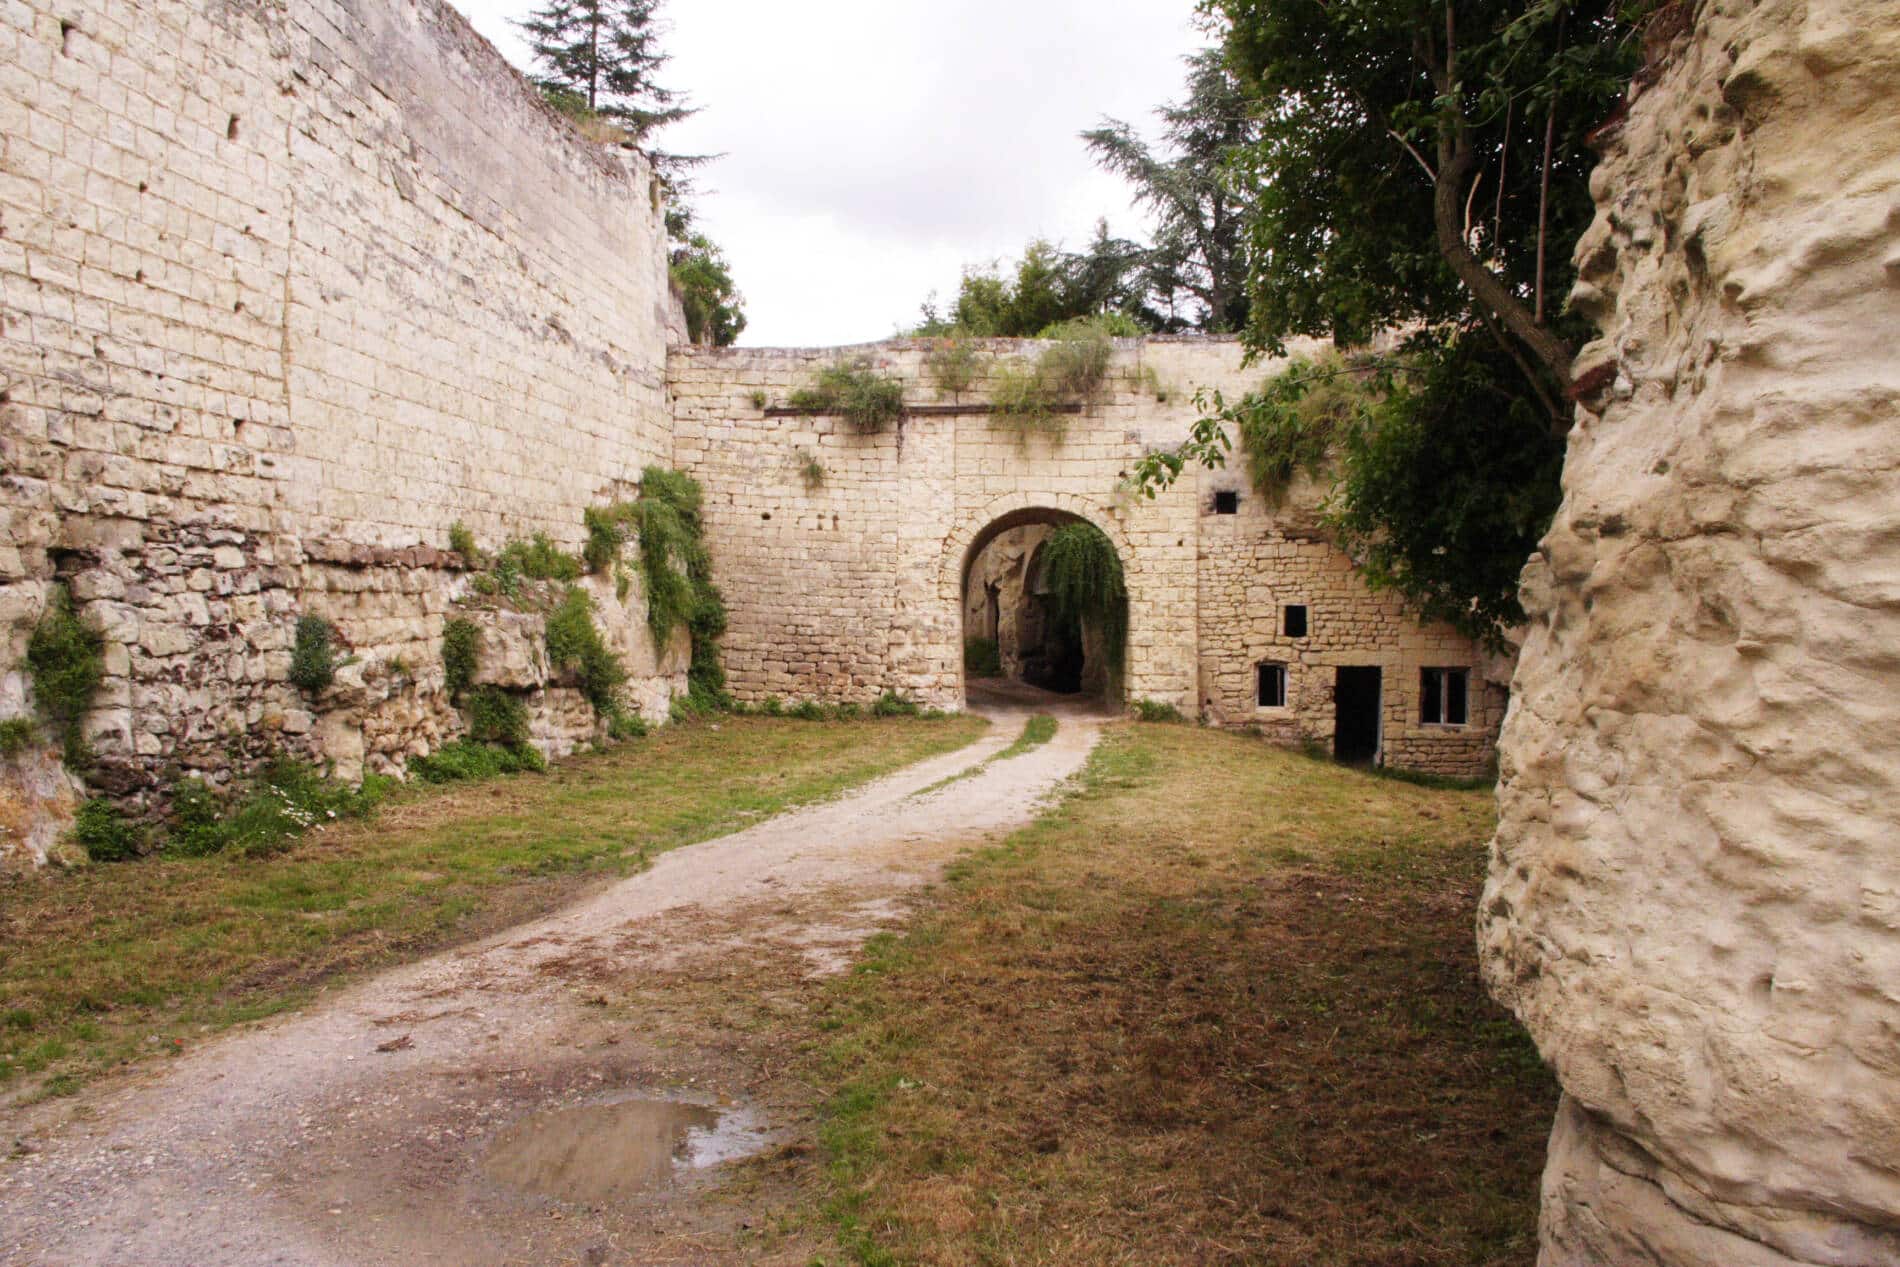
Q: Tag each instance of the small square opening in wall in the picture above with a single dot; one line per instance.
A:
(1443, 696)
(1270, 686)
(1293, 620)
(1227, 503)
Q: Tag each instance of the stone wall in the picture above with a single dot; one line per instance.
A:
(285, 290)
(856, 586)
(1694, 895)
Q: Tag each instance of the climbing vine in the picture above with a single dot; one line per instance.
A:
(1084, 576)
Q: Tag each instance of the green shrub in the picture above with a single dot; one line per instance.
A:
(461, 646)
(856, 392)
(17, 734)
(66, 658)
(623, 726)
(607, 529)
(1025, 402)
(462, 760)
(677, 573)
(982, 657)
(575, 642)
(1069, 371)
(313, 655)
(772, 707)
(283, 800)
(759, 400)
(1157, 711)
(810, 470)
(462, 541)
(537, 559)
(102, 830)
(891, 704)
(495, 716)
(807, 710)
(951, 364)
(1294, 422)
(847, 711)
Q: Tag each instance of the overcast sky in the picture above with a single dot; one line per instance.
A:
(874, 147)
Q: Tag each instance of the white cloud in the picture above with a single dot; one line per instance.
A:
(874, 148)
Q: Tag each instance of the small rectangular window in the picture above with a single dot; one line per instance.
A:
(1442, 695)
(1294, 621)
(1270, 690)
(1227, 503)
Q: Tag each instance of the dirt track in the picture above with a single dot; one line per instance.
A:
(300, 1142)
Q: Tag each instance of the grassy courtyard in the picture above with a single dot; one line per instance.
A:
(126, 960)
(1220, 1005)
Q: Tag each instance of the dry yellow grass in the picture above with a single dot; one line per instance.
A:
(1219, 1006)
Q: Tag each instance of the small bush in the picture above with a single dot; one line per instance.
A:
(982, 657)
(759, 399)
(607, 530)
(66, 659)
(313, 655)
(811, 470)
(623, 726)
(772, 707)
(462, 760)
(285, 799)
(17, 734)
(462, 541)
(951, 364)
(461, 646)
(869, 401)
(847, 711)
(537, 559)
(807, 710)
(574, 641)
(1157, 711)
(495, 716)
(104, 833)
(891, 704)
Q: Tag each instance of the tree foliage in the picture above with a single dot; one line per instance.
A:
(715, 310)
(1045, 288)
(1195, 269)
(603, 55)
(1084, 576)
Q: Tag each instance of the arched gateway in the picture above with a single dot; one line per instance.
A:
(844, 552)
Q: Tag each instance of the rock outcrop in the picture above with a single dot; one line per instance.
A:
(1694, 894)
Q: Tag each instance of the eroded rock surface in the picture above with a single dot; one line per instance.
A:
(1694, 897)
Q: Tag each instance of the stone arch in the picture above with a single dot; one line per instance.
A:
(976, 528)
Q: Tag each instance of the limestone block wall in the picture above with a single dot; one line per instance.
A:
(855, 587)
(285, 290)
(1694, 892)
(1256, 562)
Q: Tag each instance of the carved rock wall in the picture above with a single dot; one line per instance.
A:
(1694, 893)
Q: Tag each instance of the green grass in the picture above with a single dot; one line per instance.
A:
(1218, 1005)
(116, 962)
(1037, 731)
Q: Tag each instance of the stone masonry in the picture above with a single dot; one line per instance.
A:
(1694, 892)
(288, 290)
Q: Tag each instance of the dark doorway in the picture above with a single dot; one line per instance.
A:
(1356, 691)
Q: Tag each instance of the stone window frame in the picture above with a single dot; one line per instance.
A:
(1260, 670)
(1437, 697)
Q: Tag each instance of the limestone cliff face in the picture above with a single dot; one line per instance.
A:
(1694, 895)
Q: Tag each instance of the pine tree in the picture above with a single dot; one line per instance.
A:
(601, 57)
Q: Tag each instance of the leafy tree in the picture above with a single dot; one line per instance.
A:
(1425, 161)
(714, 307)
(1198, 259)
(603, 56)
(1049, 287)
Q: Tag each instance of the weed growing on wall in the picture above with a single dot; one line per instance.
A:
(1029, 398)
(677, 572)
(1084, 576)
(1292, 424)
(1156, 711)
(495, 716)
(17, 734)
(810, 470)
(856, 392)
(66, 658)
(313, 655)
(464, 760)
(951, 363)
(461, 643)
(575, 642)
(462, 541)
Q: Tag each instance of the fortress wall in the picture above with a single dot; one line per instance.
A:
(846, 590)
(1694, 892)
(286, 289)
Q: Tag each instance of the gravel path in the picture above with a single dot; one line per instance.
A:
(298, 1141)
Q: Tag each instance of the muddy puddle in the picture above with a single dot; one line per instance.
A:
(604, 1153)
